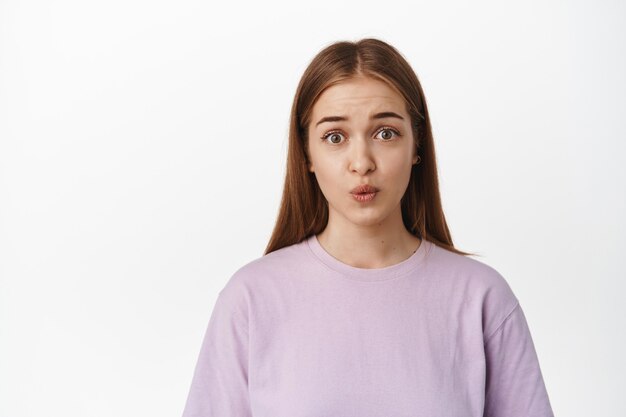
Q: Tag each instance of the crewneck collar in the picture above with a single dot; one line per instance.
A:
(369, 274)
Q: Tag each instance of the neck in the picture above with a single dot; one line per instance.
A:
(368, 246)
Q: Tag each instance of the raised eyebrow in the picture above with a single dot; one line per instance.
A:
(381, 115)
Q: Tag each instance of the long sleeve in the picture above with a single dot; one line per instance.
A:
(514, 383)
(219, 387)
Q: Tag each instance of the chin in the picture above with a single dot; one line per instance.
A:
(367, 219)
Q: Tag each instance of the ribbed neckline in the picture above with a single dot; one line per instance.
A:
(369, 274)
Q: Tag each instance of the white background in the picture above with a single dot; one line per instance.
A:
(142, 155)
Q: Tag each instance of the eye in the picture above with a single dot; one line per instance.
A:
(388, 129)
(332, 134)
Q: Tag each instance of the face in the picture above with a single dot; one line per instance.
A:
(372, 144)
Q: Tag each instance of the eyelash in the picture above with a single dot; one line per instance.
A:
(327, 135)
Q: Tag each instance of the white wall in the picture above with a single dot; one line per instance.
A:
(136, 137)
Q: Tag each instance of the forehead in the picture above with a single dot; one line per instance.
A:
(358, 94)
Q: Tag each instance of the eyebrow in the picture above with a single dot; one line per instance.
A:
(381, 115)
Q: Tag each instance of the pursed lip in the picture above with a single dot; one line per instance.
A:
(364, 188)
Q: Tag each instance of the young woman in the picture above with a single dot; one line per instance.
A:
(361, 305)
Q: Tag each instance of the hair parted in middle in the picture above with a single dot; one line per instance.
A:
(304, 210)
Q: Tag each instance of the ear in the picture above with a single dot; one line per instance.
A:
(416, 157)
(309, 163)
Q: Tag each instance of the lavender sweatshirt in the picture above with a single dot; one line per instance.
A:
(298, 333)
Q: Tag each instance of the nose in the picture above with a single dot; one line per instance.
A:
(361, 158)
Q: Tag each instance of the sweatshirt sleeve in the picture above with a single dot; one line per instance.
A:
(219, 386)
(514, 383)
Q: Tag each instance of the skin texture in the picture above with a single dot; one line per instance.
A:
(363, 235)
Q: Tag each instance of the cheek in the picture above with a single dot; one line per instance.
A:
(398, 163)
(328, 176)
(398, 174)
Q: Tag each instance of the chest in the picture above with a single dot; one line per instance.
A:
(372, 354)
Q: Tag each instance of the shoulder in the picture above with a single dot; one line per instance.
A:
(467, 270)
(481, 284)
(281, 264)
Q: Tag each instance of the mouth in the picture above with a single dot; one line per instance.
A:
(364, 197)
(364, 193)
(364, 189)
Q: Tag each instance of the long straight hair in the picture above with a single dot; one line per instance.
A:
(303, 208)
